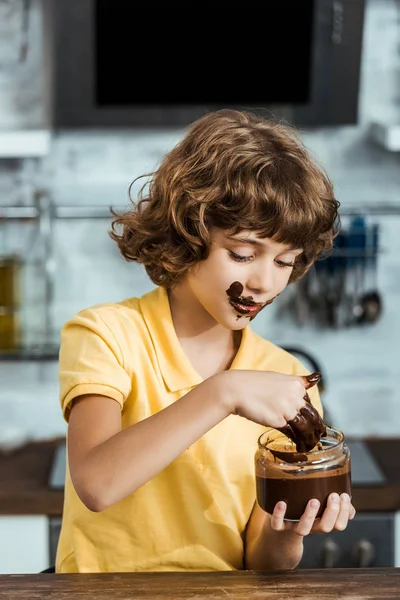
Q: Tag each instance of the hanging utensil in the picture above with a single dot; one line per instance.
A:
(337, 271)
(371, 301)
(341, 244)
(331, 274)
(323, 302)
(356, 249)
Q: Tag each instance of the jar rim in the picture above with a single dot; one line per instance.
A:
(336, 441)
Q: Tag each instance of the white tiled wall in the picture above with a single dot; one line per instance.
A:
(22, 99)
(95, 168)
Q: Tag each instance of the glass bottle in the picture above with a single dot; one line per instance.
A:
(9, 302)
(38, 280)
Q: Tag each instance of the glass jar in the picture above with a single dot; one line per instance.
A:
(284, 474)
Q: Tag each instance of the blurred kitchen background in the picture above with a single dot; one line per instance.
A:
(67, 154)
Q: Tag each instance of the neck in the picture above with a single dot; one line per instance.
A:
(192, 322)
(210, 347)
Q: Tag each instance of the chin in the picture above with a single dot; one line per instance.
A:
(241, 324)
(236, 324)
(229, 320)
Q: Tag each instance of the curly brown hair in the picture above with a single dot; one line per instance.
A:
(237, 171)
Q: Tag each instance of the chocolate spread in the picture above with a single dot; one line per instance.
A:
(244, 305)
(307, 428)
(297, 491)
(235, 290)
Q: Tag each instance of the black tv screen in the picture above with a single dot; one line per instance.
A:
(119, 63)
(203, 54)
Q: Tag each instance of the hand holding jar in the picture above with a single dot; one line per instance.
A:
(338, 512)
(303, 476)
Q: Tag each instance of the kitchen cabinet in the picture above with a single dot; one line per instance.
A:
(25, 508)
(368, 541)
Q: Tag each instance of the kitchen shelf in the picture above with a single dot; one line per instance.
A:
(24, 213)
(35, 354)
(25, 143)
(386, 135)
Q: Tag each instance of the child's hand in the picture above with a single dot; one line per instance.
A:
(266, 397)
(336, 516)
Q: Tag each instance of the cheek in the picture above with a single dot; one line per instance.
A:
(220, 268)
(208, 276)
(285, 278)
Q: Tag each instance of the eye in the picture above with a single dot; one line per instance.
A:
(283, 264)
(239, 257)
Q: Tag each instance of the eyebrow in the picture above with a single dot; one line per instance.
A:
(254, 242)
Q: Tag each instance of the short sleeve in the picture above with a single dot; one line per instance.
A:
(90, 360)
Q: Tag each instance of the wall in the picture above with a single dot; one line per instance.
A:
(22, 80)
(95, 168)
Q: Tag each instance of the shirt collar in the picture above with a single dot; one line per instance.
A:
(176, 369)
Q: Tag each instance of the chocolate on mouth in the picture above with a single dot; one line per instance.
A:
(244, 305)
(235, 295)
(245, 301)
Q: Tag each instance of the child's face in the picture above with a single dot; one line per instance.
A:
(242, 274)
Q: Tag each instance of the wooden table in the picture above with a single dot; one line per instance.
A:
(318, 584)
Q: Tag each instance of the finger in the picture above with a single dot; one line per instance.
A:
(277, 517)
(308, 518)
(293, 409)
(352, 512)
(292, 412)
(331, 513)
(312, 379)
(344, 512)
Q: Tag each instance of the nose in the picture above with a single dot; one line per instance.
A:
(261, 280)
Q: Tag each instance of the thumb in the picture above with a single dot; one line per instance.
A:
(311, 380)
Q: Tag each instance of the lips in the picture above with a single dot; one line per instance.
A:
(245, 307)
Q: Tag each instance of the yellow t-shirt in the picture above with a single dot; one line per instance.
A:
(193, 514)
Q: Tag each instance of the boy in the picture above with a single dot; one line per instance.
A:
(166, 395)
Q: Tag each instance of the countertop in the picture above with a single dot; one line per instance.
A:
(324, 584)
(24, 474)
(23, 480)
